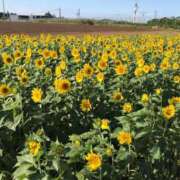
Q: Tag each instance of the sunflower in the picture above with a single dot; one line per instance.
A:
(86, 105)
(117, 96)
(169, 111)
(58, 71)
(46, 54)
(145, 98)
(146, 69)
(88, 70)
(176, 79)
(17, 54)
(113, 54)
(79, 76)
(158, 91)
(124, 137)
(28, 53)
(21, 71)
(102, 65)
(75, 52)
(138, 72)
(5, 90)
(127, 107)
(121, 69)
(53, 54)
(39, 63)
(34, 147)
(93, 161)
(62, 86)
(140, 62)
(37, 95)
(7, 59)
(24, 79)
(100, 77)
(109, 151)
(62, 49)
(105, 124)
(175, 66)
(165, 65)
(152, 67)
(174, 100)
(63, 65)
(48, 71)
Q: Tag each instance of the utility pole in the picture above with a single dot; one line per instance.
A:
(60, 14)
(136, 7)
(143, 16)
(3, 4)
(155, 14)
(78, 13)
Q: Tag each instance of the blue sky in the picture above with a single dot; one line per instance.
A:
(95, 8)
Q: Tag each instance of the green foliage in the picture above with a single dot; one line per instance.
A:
(52, 139)
(166, 22)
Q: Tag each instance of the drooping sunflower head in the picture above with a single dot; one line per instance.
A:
(86, 105)
(21, 71)
(145, 98)
(62, 86)
(165, 65)
(34, 147)
(100, 77)
(79, 76)
(176, 79)
(117, 96)
(105, 124)
(158, 91)
(127, 107)
(48, 71)
(37, 95)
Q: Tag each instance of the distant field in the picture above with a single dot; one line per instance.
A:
(36, 28)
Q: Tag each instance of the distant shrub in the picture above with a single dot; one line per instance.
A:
(166, 22)
(87, 21)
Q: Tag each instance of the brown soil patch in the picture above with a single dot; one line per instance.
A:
(36, 28)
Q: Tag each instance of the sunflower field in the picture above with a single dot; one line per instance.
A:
(89, 107)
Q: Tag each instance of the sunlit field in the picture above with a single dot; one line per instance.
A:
(89, 107)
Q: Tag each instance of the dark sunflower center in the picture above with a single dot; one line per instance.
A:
(65, 86)
(8, 60)
(88, 71)
(24, 80)
(39, 63)
(5, 90)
